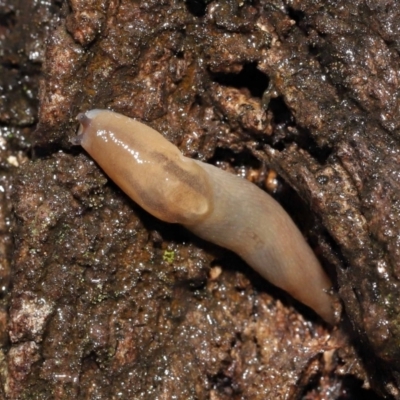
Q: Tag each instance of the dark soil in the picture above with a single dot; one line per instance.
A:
(98, 299)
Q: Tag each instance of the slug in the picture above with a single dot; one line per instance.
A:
(213, 204)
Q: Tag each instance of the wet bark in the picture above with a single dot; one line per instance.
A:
(104, 298)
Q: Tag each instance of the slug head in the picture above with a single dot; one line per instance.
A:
(146, 166)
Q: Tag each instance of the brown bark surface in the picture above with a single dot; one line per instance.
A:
(107, 302)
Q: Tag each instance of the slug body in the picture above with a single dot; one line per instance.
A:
(215, 205)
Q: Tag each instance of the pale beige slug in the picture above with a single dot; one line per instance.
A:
(215, 205)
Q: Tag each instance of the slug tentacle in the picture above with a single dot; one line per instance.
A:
(213, 204)
(84, 120)
(76, 140)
